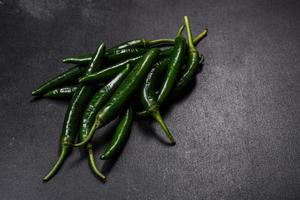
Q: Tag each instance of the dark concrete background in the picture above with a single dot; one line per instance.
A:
(237, 132)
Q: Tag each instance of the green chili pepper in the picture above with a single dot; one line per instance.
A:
(116, 68)
(97, 101)
(141, 43)
(111, 56)
(64, 92)
(67, 77)
(61, 93)
(192, 62)
(176, 60)
(149, 97)
(110, 71)
(120, 135)
(123, 93)
(75, 111)
(84, 59)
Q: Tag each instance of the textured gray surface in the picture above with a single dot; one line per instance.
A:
(237, 132)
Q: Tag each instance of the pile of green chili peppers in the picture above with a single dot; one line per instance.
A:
(132, 79)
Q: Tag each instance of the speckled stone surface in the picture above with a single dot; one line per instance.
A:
(237, 131)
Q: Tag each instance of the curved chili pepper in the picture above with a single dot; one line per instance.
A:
(176, 60)
(111, 56)
(123, 93)
(141, 43)
(97, 101)
(116, 68)
(149, 97)
(109, 72)
(192, 62)
(84, 59)
(74, 113)
(120, 135)
(64, 92)
(67, 77)
(61, 93)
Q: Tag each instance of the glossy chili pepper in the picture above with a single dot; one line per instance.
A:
(74, 113)
(176, 60)
(111, 56)
(110, 71)
(131, 45)
(116, 68)
(64, 92)
(84, 59)
(123, 93)
(141, 43)
(149, 97)
(192, 62)
(61, 93)
(145, 113)
(120, 135)
(68, 77)
(97, 101)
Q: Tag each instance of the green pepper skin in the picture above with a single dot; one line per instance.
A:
(111, 56)
(142, 43)
(192, 62)
(84, 59)
(136, 43)
(109, 72)
(65, 92)
(79, 59)
(75, 110)
(176, 60)
(149, 97)
(123, 93)
(120, 135)
(118, 55)
(68, 77)
(61, 93)
(98, 100)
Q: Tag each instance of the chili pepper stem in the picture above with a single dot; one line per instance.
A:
(200, 36)
(160, 41)
(144, 113)
(90, 134)
(156, 115)
(58, 164)
(181, 28)
(92, 162)
(189, 32)
(81, 80)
